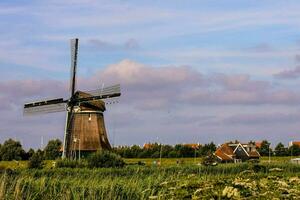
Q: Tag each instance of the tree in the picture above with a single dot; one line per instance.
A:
(51, 151)
(172, 154)
(12, 150)
(207, 149)
(265, 149)
(294, 150)
(36, 160)
(135, 150)
(280, 150)
(30, 153)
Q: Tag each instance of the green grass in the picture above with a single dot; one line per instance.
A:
(168, 181)
(148, 161)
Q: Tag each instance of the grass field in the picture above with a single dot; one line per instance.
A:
(147, 161)
(278, 179)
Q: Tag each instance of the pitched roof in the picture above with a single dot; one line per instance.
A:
(258, 144)
(296, 143)
(148, 145)
(254, 154)
(194, 146)
(224, 152)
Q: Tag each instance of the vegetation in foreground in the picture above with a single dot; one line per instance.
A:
(226, 181)
(105, 175)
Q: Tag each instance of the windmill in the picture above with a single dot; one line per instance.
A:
(85, 128)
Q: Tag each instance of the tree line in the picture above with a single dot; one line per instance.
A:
(13, 150)
(279, 150)
(165, 151)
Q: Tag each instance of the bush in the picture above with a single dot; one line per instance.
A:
(65, 163)
(105, 159)
(209, 160)
(12, 150)
(36, 161)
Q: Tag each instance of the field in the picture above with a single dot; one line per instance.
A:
(185, 180)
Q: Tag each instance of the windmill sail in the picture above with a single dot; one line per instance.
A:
(74, 51)
(45, 106)
(113, 89)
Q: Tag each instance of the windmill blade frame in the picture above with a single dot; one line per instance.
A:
(94, 98)
(45, 106)
(74, 53)
(44, 109)
(113, 89)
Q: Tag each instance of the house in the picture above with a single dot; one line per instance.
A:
(193, 146)
(149, 145)
(291, 143)
(295, 161)
(236, 152)
(258, 145)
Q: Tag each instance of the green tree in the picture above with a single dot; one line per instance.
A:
(12, 150)
(135, 150)
(207, 149)
(36, 160)
(280, 150)
(294, 150)
(30, 153)
(51, 151)
(265, 148)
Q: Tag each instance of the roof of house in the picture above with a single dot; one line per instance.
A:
(258, 144)
(225, 152)
(148, 145)
(296, 143)
(194, 146)
(254, 154)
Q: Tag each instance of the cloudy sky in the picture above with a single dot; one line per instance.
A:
(191, 71)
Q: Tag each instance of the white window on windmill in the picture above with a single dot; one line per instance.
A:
(90, 117)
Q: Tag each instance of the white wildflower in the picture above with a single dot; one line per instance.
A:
(230, 192)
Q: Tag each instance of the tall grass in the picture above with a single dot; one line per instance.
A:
(132, 182)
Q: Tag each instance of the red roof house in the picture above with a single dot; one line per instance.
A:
(236, 152)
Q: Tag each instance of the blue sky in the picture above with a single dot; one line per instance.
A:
(230, 67)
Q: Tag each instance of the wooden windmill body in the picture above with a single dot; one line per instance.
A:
(88, 131)
(85, 127)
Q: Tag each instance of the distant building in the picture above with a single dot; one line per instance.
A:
(295, 161)
(258, 144)
(237, 152)
(291, 143)
(194, 146)
(149, 145)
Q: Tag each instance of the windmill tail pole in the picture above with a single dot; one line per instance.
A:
(66, 145)
(65, 138)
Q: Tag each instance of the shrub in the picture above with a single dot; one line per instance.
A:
(105, 159)
(209, 160)
(65, 163)
(36, 161)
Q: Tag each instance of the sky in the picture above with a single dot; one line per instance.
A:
(190, 71)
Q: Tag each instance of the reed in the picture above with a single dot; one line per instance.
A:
(146, 182)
